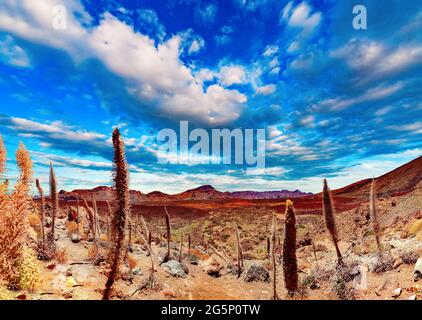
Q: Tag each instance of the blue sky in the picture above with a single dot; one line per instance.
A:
(336, 102)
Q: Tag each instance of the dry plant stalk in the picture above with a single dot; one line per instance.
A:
(41, 192)
(109, 226)
(313, 232)
(168, 229)
(150, 238)
(14, 210)
(239, 251)
(96, 217)
(121, 184)
(143, 236)
(289, 250)
(273, 238)
(221, 255)
(329, 213)
(54, 199)
(91, 216)
(189, 244)
(181, 247)
(373, 211)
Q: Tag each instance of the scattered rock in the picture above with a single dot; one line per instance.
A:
(212, 267)
(126, 273)
(51, 266)
(417, 273)
(193, 259)
(174, 268)
(412, 297)
(396, 293)
(257, 272)
(304, 242)
(136, 271)
(75, 238)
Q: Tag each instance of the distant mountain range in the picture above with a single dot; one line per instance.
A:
(206, 192)
(399, 181)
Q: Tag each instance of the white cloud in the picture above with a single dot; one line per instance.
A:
(205, 12)
(415, 127)
(196, 45)
(154, 74)
(301, 17)
(11, 53)
(270, 50)
(230, 75)
(372, 94)
(308, 121)
(266, 90)
(375, 59)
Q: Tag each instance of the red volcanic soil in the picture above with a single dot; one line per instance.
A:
(200, 201)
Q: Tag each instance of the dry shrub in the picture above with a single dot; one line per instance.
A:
(34, 221)
(72, 227)
(5, 294)
(61, 256)
(30, 270)
(409, 257)
(341, 281)
(14, 209)
(414, 227)
(384, 263)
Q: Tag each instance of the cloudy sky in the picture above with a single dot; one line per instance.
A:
(335, 102)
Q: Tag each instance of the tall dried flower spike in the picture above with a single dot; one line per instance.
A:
(181, 247)
(143, 235)
(54, 198)
(91, 216)
(239, 251)
(273, 238)
(289, 250)
(373, 211)
(121, 185)
(168, 229)
(329, 213)
(109, 224)
(24, 163)
(41, 193)
(14, 221)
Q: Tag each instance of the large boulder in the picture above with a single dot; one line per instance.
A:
(175, 268)
(257, 272)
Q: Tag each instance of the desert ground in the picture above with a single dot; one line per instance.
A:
(208, 269)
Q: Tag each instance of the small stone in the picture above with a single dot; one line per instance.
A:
(412, 297)
(136, 271)
(126, 273)
(396, 293)
(257, 272)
